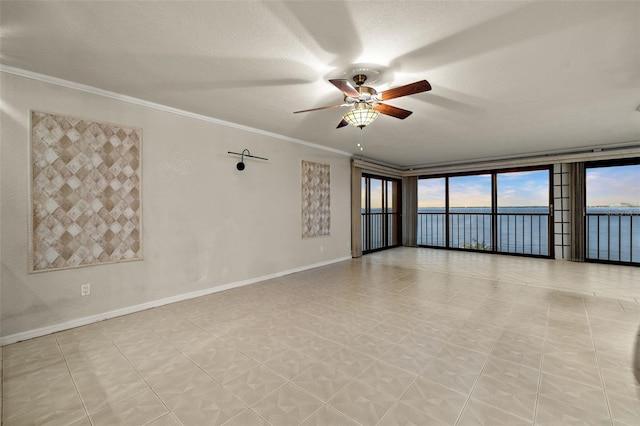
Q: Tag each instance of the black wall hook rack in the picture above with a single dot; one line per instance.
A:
(245, 153)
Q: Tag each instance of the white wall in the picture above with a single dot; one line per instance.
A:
(205, 224)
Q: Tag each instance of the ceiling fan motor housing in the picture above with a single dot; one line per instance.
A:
(366, 95)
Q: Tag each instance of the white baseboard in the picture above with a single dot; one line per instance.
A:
(38, 332)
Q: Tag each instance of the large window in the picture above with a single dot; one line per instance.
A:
(432, 212)
(612, 213)
(504, 212)
(380, 210)
(470, 212)
(523, 212)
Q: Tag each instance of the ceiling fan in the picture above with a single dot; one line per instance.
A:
(367, 102)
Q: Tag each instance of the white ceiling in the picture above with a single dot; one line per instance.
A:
(509, 78)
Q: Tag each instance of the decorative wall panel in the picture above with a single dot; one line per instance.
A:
(85, 192)
(316, 199)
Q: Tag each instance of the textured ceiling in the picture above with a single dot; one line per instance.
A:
(509, 78)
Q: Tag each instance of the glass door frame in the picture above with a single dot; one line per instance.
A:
(494, 214)
(386, 224)
(586, 217)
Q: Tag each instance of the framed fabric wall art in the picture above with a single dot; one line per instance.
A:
(85, 192)
(316, 199)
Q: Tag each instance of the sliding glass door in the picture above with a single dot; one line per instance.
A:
(380, 210)
(497, 211)
(470, 212)
(523, 199)
(612, 213)
(432, 212)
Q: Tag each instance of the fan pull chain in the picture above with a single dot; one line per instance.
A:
(360, 142)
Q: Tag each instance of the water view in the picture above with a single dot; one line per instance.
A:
(523, 224)
(523, 230)
(613, 233)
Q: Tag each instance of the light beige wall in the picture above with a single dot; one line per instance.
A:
(204, 223)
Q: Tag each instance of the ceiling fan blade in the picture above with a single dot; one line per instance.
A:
(319, 108)
(342, 124)
(409, 89)
(393, 111)
(345, 87)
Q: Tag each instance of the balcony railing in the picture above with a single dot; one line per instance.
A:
(379, 230)
(520, 233)
(613, 237)
(470, 231)
(523, 233)
(432, 229)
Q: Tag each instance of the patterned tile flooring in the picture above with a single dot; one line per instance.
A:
(405, 336)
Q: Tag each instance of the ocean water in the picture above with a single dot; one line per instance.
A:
(520, 230)
(613, 233)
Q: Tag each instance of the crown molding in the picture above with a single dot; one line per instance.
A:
(611, 152)
(148, 104)
(603, 152)
(621, 150)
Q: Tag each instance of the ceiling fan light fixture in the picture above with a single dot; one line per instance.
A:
(361, 116)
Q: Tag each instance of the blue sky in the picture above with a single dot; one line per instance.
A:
(431, 192)
(523, 188)
(514, 189)
(470, 191)
(610, 185)
(376, 194)
(605, 186)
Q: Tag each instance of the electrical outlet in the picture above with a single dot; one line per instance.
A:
(85, 289)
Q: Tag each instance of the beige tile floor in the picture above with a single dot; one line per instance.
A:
(405, 336)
